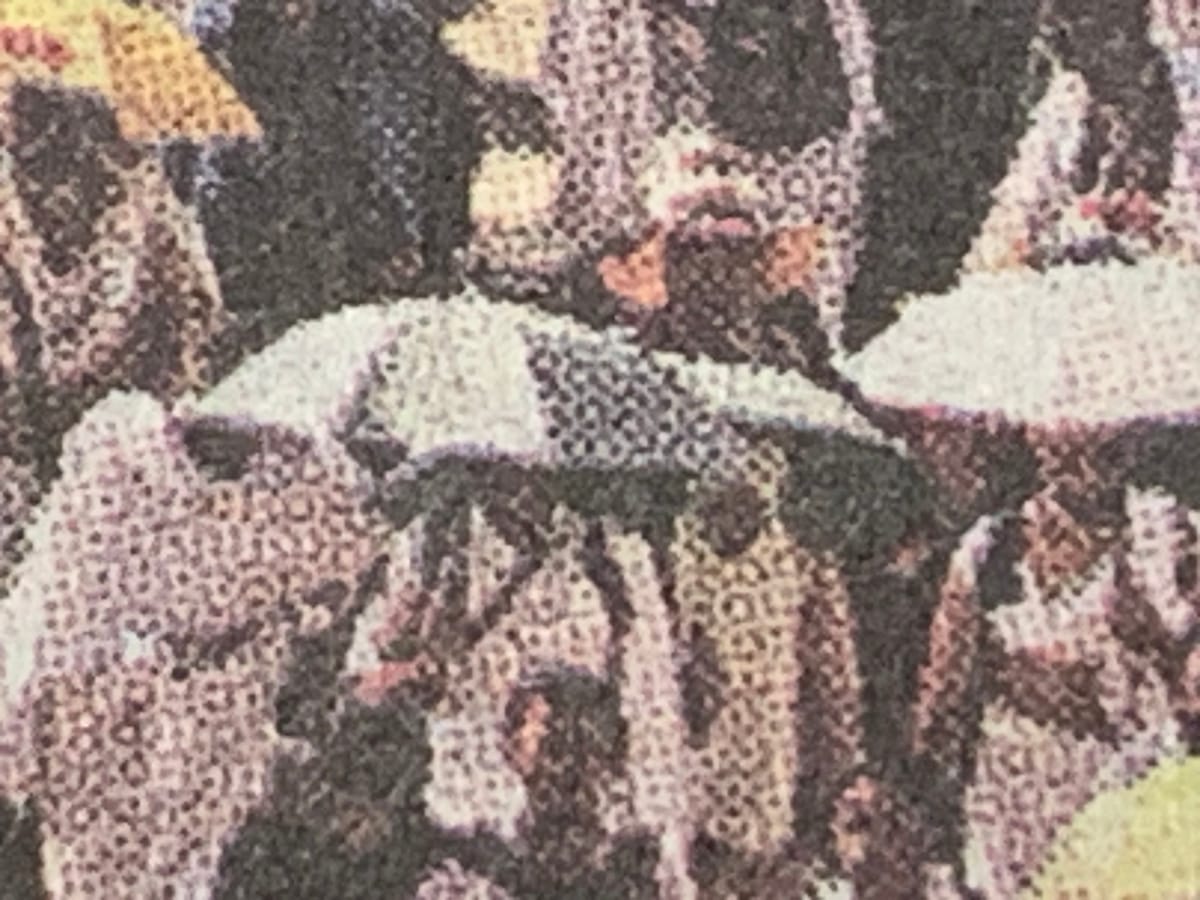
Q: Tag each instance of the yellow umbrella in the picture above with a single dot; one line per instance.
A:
(155, 77)
(1136, 843)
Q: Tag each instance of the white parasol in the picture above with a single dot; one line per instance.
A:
(1088, 346)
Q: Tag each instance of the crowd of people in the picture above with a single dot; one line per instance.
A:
(610, 448)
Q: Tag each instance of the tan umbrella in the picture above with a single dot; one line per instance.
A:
(156, 78)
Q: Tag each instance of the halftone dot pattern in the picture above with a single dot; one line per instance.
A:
(660, 765)
(749, 608)
(557, 620)
(451, 882)
(146, 773)
(633, 449)
(120, 287)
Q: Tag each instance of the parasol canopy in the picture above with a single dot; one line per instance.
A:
(450, 374)
(156, 78)
(1088, 346)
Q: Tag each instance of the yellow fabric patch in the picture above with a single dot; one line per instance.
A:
(1137, 843)
(503, 38)
(511, 190)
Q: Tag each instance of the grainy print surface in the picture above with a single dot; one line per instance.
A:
(599, 449)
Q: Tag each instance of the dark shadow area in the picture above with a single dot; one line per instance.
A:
(20, 853)
(360, 184)
(950, 75)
